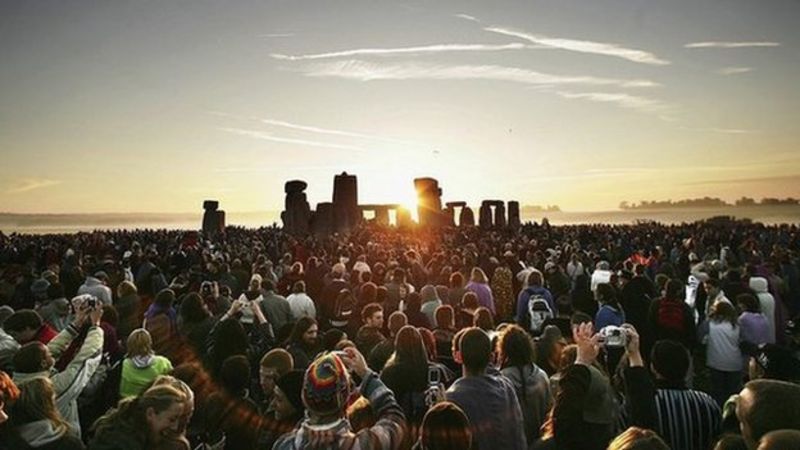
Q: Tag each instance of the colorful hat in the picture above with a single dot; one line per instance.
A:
(326, 386)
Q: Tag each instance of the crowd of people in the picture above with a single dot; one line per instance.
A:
(643, 336)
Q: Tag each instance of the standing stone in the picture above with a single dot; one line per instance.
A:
(297, 213)
(382, 214)
(500, 215)
(513, 215)
(450, 216)
(429, 201)
(346, 213)
(485, 215)
(322, 221)
(466, 218)
(451, 211)
(211, 217)
(404, 218)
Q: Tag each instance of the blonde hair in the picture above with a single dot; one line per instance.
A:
(635, 438)
(140, 343)
(478, 276)
(169, 380)
(126, 288)
(37, 401)
(133, 410)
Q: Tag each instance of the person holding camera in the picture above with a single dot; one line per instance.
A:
(326, 388)
(35, 359)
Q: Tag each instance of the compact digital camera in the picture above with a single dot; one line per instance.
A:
(614, 336)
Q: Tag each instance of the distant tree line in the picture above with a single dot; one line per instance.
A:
(707, 202)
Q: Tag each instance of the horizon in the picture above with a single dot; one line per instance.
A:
(153, 108)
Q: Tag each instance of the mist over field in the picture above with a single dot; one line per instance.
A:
(72, 223)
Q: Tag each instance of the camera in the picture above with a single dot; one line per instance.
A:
(206, 289)
(614, 336)
(91, 302)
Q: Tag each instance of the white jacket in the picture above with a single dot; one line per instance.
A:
(69, 383)
(767, 302)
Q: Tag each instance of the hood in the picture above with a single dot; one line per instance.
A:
(758, 284)
(142, 361)
(7, 342)
(39, 433)
(318, 437)
(428, 293)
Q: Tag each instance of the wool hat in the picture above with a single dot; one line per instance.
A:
(326, 386)
(291, 384)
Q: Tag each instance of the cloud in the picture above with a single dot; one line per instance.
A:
(284, 140)
(365, 71)
(722, 130)
(734, 70)
(793, 179)
(30, 184)
(277, 35)
(312, 129)
(597, 48)
(435, 48)
(643, 104)
(467, 17)
(727, 44)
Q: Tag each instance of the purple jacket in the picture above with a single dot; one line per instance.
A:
(754, 328)
(484, 293)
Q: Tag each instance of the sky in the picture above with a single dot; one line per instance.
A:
(154, 106)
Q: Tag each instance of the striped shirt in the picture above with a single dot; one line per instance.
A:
(687, 419)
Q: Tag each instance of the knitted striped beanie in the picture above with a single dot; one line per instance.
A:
(326, 386)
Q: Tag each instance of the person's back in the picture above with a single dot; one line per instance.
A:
(532, 386)
(488, 400)
(766, 302)
(687, 419)
(325, 393)
(671, 319)
(275, 307)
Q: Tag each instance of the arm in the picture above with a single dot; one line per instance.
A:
(60, 343)
(640, 392)
(390, 428)
(69, 383)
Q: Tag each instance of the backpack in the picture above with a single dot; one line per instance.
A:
(538, 311)
(343, 310)
(670, 316)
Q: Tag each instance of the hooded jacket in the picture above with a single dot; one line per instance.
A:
(532, 386)
(767, 302)
(8, 348)
(42, 435)
(140, 371)
(69, 383)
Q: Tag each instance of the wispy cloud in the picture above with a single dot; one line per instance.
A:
(277, 35)
(313, 129)
(734, 70)
(598, 48)
(435, 48)
(638, 103)
(467, 17)
(366, 71)
(257, 134)
(729, 44)
(30, 184)
(722, 130)
(793, 179)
